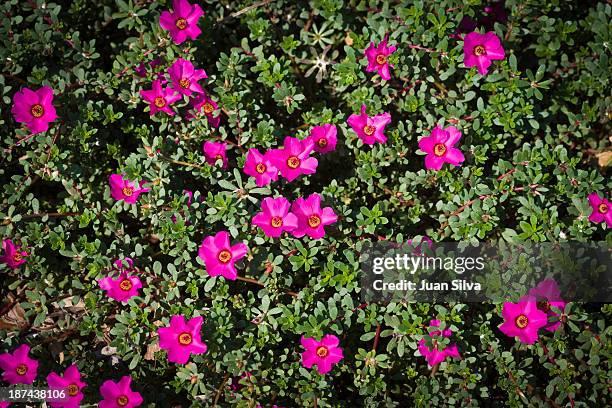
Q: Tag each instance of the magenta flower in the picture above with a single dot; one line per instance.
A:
(261, 167)
(324, 138)
(369, 129)
(219, 257)
(214, 151)
(185, 77)
(601, 209)
(439, 148)
(480, 49)
(547, 295)
(418, 250)
(311, 218)
(124, 287)
(203, 103)
(120, 264)
(275, 217)
(119, 394)
(124, 189)
(18, 367)
(522, 320)
(160, 99)
(13, 256)
(377, 58)
(496, 13)
(436, 354)
(4, 404)
(71, 382)
(34, 108)
(182, 22)
(141, 69)
(182, 338)
(294, 159)
(324, 354)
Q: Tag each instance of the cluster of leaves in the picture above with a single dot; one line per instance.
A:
(535, 139)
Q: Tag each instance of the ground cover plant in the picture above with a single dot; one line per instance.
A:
(187, 188)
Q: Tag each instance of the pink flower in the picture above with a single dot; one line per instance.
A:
(182, 22)
(369, 129)
(182, 338)
(13, 256)
(160, 98)
(275, 217)
(439, 148)
(324, 354)
(203, 103)
(377, 58)
(124, 189)
(495, 13)
(418, 250)
(311, 218)
(141, 69)
(120, 264)
(480, 49)
(294, 159)
(18, 367)
(601, 209)
(547, 295)
(124, 287)
(215, 151)
(435, 354)
(71, 382)
(34, 108)
(4, 404)
(324, 138)
(185, 77)
(523, 320)
(219, 257)
(119, 395)
(261, 167)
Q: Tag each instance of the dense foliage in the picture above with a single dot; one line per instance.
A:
(535, 139)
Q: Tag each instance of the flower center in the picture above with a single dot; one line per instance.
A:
(521, 321)
(479, 50)
(181, 23)
(293, 162)
(440, 149)
(125, 285)
(260, 168)
(544, 306)
(322, 351)
(159, 102)
(369, 130)
(314, 221)
(184, 83)
(185, 339)
(73, 390)
(127, 191)
(21, 369)
(322, 142)
(208, 108)
(17, 257)
(381, 59)
(122, 400)
(276, 222)
(37, 110)
(224, 256)
(218, 157)
(603, 208)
